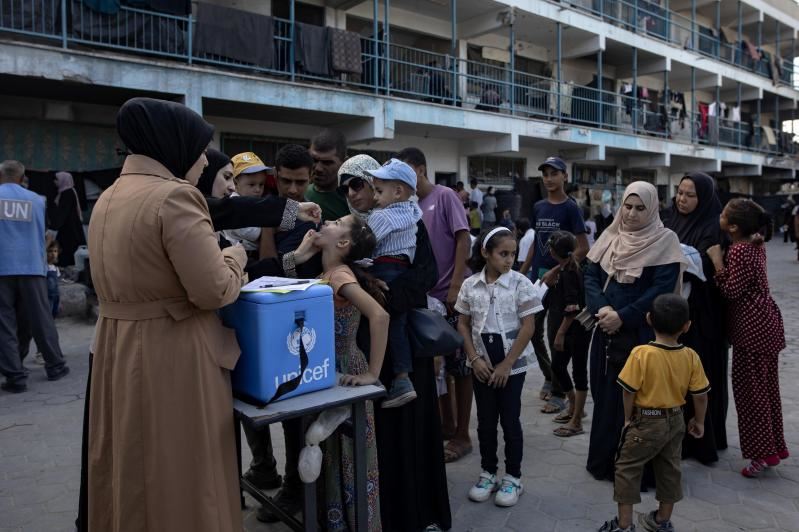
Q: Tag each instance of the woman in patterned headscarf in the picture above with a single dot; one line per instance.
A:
(408, 437)
(357, 185)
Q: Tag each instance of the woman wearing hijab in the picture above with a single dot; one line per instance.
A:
(635, 260)
(216, 180)
(694, 216)
(413, 482)
(161, 449)
(67, 219)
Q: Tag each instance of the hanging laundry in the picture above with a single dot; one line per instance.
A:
(106, 7)
(770, 137)
(735, 114)
(234, 34)
(751, 49)
(703, 114)
(711, 109)
(566, 91)
(313, 49)
(345, 51)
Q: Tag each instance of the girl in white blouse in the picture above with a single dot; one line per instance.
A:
(496, 307)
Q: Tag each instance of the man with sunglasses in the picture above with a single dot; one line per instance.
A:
(328, 149)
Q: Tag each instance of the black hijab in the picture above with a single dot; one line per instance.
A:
(216, 160)
(168, 132)
(700, 229)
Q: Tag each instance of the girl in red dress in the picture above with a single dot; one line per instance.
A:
(741, 277)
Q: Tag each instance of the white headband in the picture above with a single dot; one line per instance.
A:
(492, 233)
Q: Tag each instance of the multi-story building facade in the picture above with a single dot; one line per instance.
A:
(621, 89)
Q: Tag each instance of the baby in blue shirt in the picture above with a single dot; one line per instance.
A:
(393, 222)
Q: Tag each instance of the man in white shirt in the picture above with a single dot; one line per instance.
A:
(476, 194)
(526, 236)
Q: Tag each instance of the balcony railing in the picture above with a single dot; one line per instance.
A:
(649, 18)
(395, 70)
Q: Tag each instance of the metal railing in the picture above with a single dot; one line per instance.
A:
(648, 18)
(397, 70)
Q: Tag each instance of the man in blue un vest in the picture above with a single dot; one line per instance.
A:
(23, 281)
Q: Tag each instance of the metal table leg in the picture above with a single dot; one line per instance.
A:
(237, 430)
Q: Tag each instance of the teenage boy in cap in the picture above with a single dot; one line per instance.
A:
(557, 212)
(393, 221)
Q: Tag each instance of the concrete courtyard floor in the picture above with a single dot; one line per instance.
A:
(40, 456)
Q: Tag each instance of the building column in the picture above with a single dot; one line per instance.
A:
(463, 68)
(635, 90)
(194, 101)
(512, 50)
(387, 38)
(376, 47)
(558, 73)
(692, 118)
(292, 47)
(601, 98)
(738, 125)
(454, 50)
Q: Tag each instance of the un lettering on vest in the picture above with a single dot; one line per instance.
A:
(315, 373)
(16, 210)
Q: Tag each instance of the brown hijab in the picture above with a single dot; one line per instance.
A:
(624, 253)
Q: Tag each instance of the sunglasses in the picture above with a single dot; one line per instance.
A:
(355, 183)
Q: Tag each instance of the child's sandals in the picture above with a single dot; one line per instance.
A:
(546, 391)
(568, 432)
(563, 417)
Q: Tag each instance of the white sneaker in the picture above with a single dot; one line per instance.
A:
(486, 485)
(509, 492)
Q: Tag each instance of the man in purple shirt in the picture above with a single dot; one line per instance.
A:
(446, 223)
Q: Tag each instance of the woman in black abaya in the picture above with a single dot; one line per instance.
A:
(694, 216)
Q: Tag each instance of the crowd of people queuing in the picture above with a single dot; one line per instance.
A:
(632, 303)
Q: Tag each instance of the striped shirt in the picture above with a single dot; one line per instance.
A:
(394, 227)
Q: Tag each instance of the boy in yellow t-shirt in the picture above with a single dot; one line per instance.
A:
(655, 381)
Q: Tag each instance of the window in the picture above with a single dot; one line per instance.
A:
(628, 176)
(496, 170)
(264, 147)
(594, 175)
(310, 14)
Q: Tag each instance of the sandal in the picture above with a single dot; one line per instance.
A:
(554, 405)
(567, 432)
(455, 450)
(546, 391)
(563, 417)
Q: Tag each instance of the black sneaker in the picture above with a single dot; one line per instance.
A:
(613, 526)
(56, 376)
(13, 387)
(288, 502)
(264, 482)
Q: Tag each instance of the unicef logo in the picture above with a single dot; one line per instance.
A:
(308, 340)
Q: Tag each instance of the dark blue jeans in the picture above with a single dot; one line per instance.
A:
(398, 350)
(503, 406)
(52, 292)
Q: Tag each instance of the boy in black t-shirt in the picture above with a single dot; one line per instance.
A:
(556, 212)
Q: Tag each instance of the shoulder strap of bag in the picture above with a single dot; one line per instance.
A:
(291, 385)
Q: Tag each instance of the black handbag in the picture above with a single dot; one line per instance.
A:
(430, 333)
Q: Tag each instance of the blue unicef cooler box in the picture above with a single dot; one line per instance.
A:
(267, 331)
